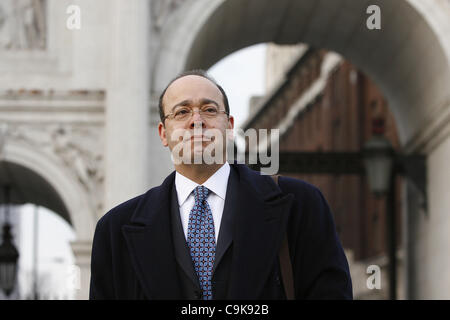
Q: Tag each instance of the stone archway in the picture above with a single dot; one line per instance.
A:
(201, 34)
(409, 60)
(42, 182)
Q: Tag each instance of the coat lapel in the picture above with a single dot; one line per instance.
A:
(226, 225)
(261, 215)
(149, 241)
(182, 253)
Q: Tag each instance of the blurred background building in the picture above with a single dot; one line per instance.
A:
(337, 117)
(79, 86)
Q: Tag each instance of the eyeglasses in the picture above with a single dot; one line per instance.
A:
(184, 113)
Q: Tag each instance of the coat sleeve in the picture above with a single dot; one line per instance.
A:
(319, 263)
(101, 284)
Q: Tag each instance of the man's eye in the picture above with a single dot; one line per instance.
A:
(211, 110)
(182, 112)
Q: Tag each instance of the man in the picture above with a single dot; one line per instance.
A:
(214, 230)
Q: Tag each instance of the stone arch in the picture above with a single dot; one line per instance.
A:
(201, 33)
(66, 196)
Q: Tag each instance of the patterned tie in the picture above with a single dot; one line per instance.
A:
(201, 240)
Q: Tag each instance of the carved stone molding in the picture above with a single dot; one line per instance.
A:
(78, 148)
(161, 9)
(22, 24)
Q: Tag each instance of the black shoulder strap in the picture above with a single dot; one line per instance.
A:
(285, 263)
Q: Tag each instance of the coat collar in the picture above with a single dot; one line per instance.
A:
(260, 214)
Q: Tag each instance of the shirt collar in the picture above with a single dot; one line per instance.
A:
(217, 183)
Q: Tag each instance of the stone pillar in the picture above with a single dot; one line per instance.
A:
(127, 116)
(433, 236)
(81, 276)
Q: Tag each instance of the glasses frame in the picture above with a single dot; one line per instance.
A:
(167, 116)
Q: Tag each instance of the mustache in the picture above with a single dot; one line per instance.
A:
(197, 134)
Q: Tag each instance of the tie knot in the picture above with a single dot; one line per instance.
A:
(201, 193)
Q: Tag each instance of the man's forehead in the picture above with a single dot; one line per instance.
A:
(192, 86)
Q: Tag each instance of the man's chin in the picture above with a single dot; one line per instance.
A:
(198, 153)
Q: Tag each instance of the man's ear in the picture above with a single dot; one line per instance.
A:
(162, 134)
(230, 122)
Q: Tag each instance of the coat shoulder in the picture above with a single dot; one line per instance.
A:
(264, 184)
(309, 203)
(298, 187)
(122, 213)
(133, 211)
(113, 220)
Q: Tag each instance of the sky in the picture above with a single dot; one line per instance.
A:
(241, 74)
(55, 256)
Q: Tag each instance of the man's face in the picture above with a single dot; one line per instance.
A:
(198, 132)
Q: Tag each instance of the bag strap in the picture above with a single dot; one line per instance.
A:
(285, 263)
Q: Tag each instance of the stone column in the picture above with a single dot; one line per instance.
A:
(432, 238)
(81, 276)
(127, 116)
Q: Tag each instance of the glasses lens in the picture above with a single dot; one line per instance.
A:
(182, 113)
(209, 111)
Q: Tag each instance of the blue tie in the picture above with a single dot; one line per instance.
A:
(201, 240)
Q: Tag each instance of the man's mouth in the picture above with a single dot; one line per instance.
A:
(201, 138)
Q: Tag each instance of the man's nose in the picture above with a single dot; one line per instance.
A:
(196, 121)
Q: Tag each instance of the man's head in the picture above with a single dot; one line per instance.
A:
(197, 72)
(194, 114)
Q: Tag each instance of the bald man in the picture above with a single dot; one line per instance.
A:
(213, 230)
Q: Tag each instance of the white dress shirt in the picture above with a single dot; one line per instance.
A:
(217, 184)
